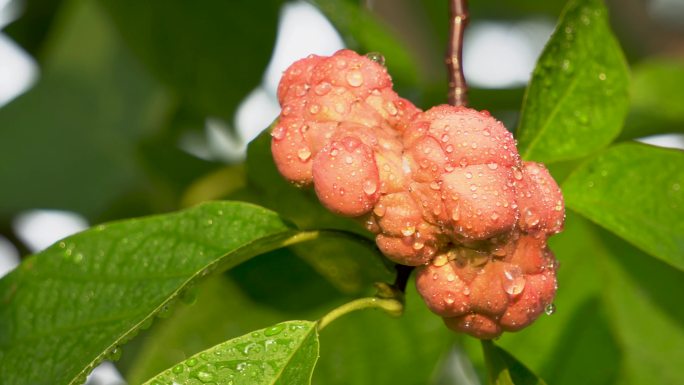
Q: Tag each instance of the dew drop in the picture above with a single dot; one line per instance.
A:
(602, 76)
(178, 369)
(440, 260)
(304, 154)
(354, 78)
(434, 185)
(495, 216)
(531, 218)
(418, 245)
(314, 109)
(322, 88)
(517, 174)
(379, 210)
(278, 133)
(492, 166)
(370, 187)
(191, 362)
(550, 309)
(469, 175)
(391, 108)
(514, 282)
(274, 330)
(451, 277)
(206, 376)
(376, 57)
(473, 187)
(449, 301)
(456, 214)
(348, 159)
(408, 231)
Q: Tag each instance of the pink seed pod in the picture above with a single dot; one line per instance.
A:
(444, 190)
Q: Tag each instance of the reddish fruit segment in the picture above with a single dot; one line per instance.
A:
(444, 189)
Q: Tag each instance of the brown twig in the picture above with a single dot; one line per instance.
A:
(458, 90)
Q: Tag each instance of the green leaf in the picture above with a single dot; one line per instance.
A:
(578, 97)
(504, 369)
(284, 354)
(642, 301)
(211, 52)
(635, 191)
(76, 130)
(351, 267)
(67, 308)
(369, 347)
(657, 98)
(260, 292)
(363, 32)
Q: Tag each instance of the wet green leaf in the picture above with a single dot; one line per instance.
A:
(635, 191)
(282, 354)
(369, 347)
(212, 53)
(69, 307)
(657, 98)
(504, 369)
(70, 142)
(578, 97)
(642, 301)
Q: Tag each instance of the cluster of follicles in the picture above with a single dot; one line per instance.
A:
(443, 190)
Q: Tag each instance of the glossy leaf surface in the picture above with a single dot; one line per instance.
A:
(578, 97)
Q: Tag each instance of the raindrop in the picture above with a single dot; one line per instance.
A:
(370, 187)
(348, 159)
(550, 309)
(408, 231)
(440, 260)
(517, 174)
(355, 78)
(455, 214)
(492, 166)
(274, 330)
(304, 154)
(206, 376)
(531, 218)
(376, 57)
(191, 362)
(514, 282)
(434, 185)
(391, 108)
(418, 245)
(468, 175)
(314, 109)
(278, 133)
(322, 88)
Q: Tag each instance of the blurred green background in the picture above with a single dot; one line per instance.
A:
(117, 108)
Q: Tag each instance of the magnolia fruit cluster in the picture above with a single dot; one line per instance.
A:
(444, 189)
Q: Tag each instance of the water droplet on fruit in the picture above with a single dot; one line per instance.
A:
(492, 166)
(514, 282)
(322, 88)
(550, 309)
(278, 132)
(304, 154)
(517, 174)
(408, 231)
(469, 175)
(354, 78)
(370, 187)
(391, 108)
(376, 57)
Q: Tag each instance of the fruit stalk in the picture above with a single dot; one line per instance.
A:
(458, 20)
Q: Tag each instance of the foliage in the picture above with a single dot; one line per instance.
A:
(123, 81)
